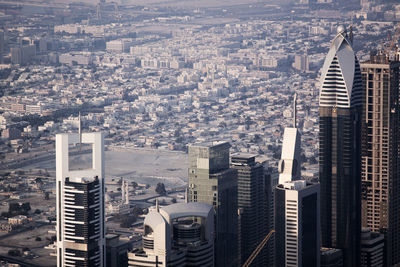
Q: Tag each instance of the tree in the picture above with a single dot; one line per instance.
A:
(25, 207)
(173, 200)
(127, 221)
(160, 189)
(38, 238)
(134, 184)
(38, 211)
(14, 252)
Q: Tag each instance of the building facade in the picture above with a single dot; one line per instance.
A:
(253, 221)
(372, 245)
(212, 181)
(80, 204)
(380, 152)
(331, 257)
(340, 148)
(177, 235)
(297, 224)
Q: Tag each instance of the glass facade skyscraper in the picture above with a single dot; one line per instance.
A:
(340, 148)
(253, 200)
(212, 181)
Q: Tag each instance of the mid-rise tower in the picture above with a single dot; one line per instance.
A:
(177, 235)
(340, 148)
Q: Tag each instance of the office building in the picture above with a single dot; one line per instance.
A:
(80, 204)
(340, 148)
(253, 208)
(212, 181)
(177, 235)
(380, 154)
(331, 257)
(301, 62)
(297, 224)
(117, 250)
(372, 245)
(22, 54)
(2, 44)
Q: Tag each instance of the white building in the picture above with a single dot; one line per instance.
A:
(181, 234)
(297, 224)
(80, 204)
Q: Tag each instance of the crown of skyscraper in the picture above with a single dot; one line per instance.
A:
(341, 84)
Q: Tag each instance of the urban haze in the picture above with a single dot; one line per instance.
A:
(199, 133)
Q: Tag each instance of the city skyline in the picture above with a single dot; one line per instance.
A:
(166, 133)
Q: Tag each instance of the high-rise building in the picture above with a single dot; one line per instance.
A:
(290, 163)
(371, 249)
(340, 148)
(80, 204)
(253, 207)
(331, 257)
(177, 235)
(22, 54)
(301, 62)
(2, 42)
(297, 224)
(380, 152)
(212, 181)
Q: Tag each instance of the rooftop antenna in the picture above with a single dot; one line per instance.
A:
(294, 110)
(80, 127)
(351, 32)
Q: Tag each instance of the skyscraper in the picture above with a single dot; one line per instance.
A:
(212, 181)
(297, 224)
(380, 152)
(80, 204)
(371, 249)
(290, 164)
(252, 207)
(340, 148)
(180, 234)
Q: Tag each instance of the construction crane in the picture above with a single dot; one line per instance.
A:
(393, 42)
(258, 249)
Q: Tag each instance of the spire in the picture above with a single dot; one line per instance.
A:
(80, 127)
(157, 206)
(186, 196)
(294, 110)
(351, 34)
(126, 192)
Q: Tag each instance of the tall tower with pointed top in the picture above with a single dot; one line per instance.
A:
(289, 164)
(340, 148)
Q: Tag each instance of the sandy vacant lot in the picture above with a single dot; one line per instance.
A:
(143, 166)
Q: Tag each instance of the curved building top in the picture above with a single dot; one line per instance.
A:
(341, 84)
(180, 210)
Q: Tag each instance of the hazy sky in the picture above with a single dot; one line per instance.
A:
(183, 3)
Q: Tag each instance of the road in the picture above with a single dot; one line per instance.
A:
(17, 261)
(43, 157)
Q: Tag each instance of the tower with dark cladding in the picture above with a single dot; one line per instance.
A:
(340, 150)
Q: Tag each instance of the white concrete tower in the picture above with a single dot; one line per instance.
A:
(80, 204)
(289, 165)
(125, 192)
